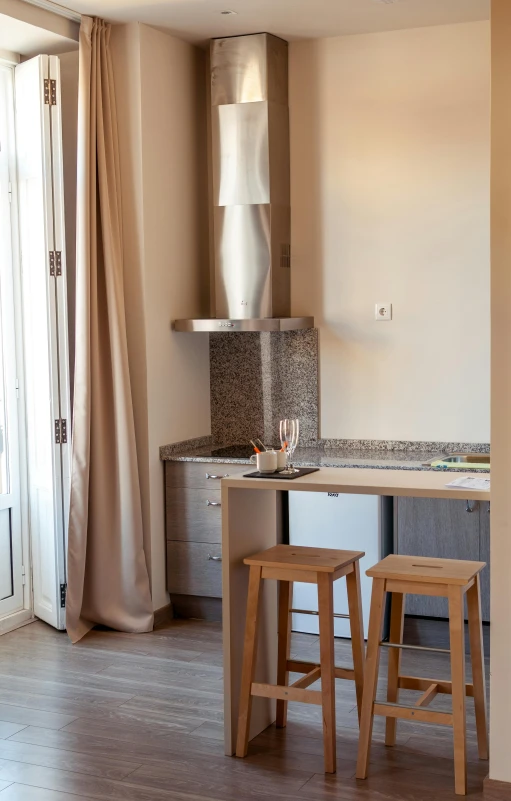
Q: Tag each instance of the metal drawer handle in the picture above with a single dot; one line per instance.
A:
(211, 475)
(213, 503)
(471, 506)
(214, 558)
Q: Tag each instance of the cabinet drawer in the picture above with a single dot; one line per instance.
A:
(434, 527)
(192, 571)
(195, 474)
(194, 514)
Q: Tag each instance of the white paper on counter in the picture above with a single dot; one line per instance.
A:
(470, 482)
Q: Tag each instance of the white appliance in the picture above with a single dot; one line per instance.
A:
(346, 522)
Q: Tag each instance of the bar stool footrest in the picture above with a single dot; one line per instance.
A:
(391, 710)
(428, 696)
(296, 666)
(308, 679)
(406, 647)
(422, 684)
(286, 693)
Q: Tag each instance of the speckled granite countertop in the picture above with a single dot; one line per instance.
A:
(345, 454)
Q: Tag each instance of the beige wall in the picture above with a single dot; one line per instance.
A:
(500, 695)
(66, 30)
(390, 202)
(159, 86)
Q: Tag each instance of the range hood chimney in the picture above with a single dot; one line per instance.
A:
(251, 197)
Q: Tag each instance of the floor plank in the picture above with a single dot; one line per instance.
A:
(51, 757)
(21, 792)
(139, 718)
(8, 729)
(27, 716)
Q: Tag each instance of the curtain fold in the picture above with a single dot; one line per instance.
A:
(108, 581)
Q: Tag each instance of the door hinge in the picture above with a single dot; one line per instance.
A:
(23, 575)
(60, 432)
(55, 262)
(63, 593)
(50, 92)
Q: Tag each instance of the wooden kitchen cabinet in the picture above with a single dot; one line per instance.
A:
(484, 556)
(193, 514)
(193, 522)
(449, 529)
(194, 569)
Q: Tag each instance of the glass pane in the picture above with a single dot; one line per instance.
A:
(6, 582)
(5, 269)
(4, 478)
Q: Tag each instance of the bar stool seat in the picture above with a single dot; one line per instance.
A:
(450, 578)
(321, 566)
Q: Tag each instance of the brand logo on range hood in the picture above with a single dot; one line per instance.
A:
(251, 187)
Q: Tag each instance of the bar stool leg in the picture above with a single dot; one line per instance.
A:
(327, 662)
(397, 619)
(249, 660)
(357, 631)
(370, 676)
(457, 638)
(284, 645)
(475, 631)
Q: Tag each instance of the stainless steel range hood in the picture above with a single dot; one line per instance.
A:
(251, 197)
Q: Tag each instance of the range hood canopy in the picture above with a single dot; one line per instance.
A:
(251, 195)
(210, 324)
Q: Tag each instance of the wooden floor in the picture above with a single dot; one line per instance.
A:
(139, 718)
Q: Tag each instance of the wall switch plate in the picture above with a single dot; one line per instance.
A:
(383, 311)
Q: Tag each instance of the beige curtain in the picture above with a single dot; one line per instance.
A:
(108, 581)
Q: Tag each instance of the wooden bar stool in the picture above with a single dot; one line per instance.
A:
(321, 566)
(450, 578)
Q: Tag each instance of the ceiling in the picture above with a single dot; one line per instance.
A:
(200, 20)
(17, 36)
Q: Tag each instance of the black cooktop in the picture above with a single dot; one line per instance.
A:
(233, 452)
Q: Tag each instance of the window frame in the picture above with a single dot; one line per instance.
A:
(8, 63)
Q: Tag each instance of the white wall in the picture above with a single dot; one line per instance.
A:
(159, 88)
(390, 202)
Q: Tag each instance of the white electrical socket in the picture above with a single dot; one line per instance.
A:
(383, 311)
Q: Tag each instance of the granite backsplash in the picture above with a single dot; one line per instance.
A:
(257, 378)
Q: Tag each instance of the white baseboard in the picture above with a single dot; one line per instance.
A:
(16, 620)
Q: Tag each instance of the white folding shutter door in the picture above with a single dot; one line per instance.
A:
(38, 132)
(61, 290)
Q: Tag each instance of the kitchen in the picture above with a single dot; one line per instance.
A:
(256, 378)
(258, 375)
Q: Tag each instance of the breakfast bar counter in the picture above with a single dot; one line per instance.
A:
(252, 521)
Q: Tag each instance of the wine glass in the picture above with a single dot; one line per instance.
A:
(289, 432)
